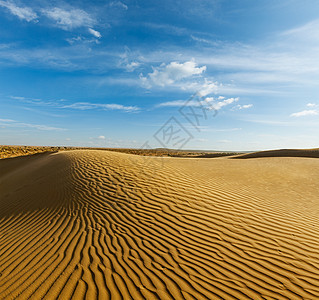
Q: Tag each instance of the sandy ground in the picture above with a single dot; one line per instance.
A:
(101, 225)
(15, 151)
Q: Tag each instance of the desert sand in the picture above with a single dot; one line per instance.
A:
(91, 224)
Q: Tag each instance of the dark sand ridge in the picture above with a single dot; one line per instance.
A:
(99, 224)
(314, 153)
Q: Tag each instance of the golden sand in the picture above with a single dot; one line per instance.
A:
(106, 225)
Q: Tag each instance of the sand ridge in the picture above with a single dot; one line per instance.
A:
(314, 153)
(101, 225)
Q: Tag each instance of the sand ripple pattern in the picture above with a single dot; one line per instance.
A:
(105, 225)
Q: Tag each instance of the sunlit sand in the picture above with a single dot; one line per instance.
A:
(90, 224)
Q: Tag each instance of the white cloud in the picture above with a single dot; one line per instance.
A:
(23, 13)
(177, 103)
(88, 106)
(209, 103)
(81, 40)
(220, 104)
(187, 76)
(129, 60)
(66, 19)
(119, 4)
(207, 88)
(305, 113)
(130, 67)
(95, 33)
(69, 19)
(167, 75)
(311, 105)
(73, 40)
(101, 137)
(245, 106)
(197, 39)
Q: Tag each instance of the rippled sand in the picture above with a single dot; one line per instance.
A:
(101, 225)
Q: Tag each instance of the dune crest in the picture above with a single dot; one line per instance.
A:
(101, 225)
(312, 153)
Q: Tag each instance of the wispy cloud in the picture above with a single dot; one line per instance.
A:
(17, 124)
(218, 105)
(267, 121)
(307, 112)
(312, 105)
(95, 33)
(38, 102)
(64, 18)
(304, 113)
(168, 28)
(178, 103)
(212, 103)
(17, 98)
(68, 19)
(307, 32)
(272, 121)
(206, 41)
(128, 60)
(42, 112)
(244, 106)
(222, 129)
(23, 13)
(119, 4)
(88, 106)
(62, 104)
(130, 67)
(78, 55)
(224, 141)
(288, 58)
(6, 120)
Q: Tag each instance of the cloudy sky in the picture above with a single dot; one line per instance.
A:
(206, 74)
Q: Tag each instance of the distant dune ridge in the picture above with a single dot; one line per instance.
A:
(92, 224)
(15, 151)
(314, 153)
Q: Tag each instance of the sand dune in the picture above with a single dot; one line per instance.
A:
(314, 153)
(102, 225)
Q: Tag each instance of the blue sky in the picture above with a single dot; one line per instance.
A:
(222, 75)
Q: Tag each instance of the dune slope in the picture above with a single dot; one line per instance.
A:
(314, 153)
(102, 225)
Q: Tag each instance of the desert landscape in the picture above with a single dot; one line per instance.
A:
(98, 224)
(159, 150)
